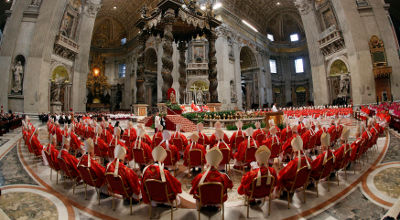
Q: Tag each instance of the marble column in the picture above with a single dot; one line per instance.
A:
(212, 66)
(140, 74)
(310, 24)
(82, 70)
(168, 64)
(182, 71)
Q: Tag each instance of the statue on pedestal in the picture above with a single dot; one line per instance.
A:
(171, 95)
(18, 73)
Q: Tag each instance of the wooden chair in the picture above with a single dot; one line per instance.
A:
(238, 140)
(226, 153)
(169, 161)
(90, 178)
(260, 138)
(249, 156)
(275, 150)
(117, 186)
(157, 141)
(300, 180)
(68, 172)
(178, 143)
(195, 158)
(260, 192)
(140, 157)
(342, 165)
(327, 169)
(52, 164)
(211, 193)
(312, 142)
(158, 191)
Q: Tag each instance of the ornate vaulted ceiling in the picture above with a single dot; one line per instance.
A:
(261, 13)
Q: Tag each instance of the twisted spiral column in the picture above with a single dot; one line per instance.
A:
(212, 66)
(182, 71)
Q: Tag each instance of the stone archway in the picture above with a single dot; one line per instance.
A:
(339, 82)
(249, 78)
(150, 65)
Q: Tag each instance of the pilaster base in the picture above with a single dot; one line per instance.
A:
(140, 109)
(56, 107)
(214, 107)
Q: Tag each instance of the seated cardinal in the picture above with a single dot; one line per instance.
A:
(140, 143)
(101, 148)
(179, 139)
(70, 161)
(237, 136)
(128, 176)
(156, 171)
(243, 147)
(319, 163)
(214, 158)
(203, 138)
(213, 138)
(35, 143)
(287, 174)
(165, 143)
(344, 149)
(194, 138)
(158, 136)
(129, 135)
(87, 160)
(262, 157)
(259, 134)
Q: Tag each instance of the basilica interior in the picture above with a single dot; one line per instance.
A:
(132, 60)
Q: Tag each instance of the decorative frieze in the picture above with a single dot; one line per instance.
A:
(331, 41)
(65, 47)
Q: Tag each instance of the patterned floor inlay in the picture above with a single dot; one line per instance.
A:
(12, 171)
(3, 141)
(26, 205)
(354, 206)
(387, 182)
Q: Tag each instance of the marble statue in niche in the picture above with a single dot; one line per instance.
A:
(344, 86)
(18, 73)
(199, 97)
(58, 82)
(66, 25)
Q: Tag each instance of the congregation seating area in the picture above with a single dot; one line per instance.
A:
(9, 122)
(239, 151)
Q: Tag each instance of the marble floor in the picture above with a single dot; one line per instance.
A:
(366, 192)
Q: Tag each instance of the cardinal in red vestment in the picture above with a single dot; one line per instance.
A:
(87, 160)
(165, 143)
(70, 161)
(141, 143)
(203, 138)
(319, 163)
(128, 176)
(101, 147)
(214, 158)
(259, 134)
(343, 150)
(243, 148)
(214, 139)
(237, 136)
(178, 139)
(35, 143)
(194, 138)
(262, 157)
(287, 174)
(156, 171)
